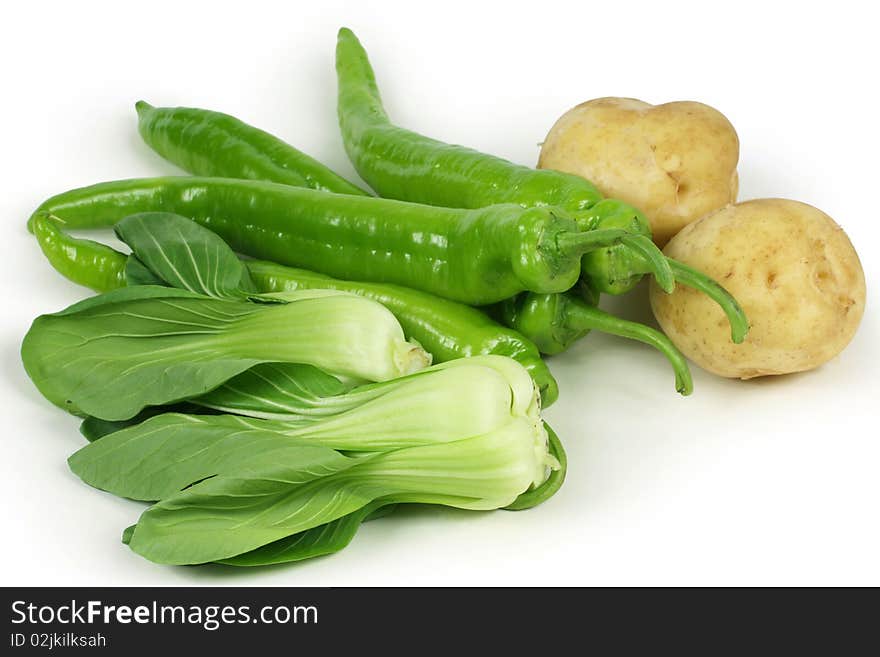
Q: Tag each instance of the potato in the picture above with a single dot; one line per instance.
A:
(793, 270)
(676, 162)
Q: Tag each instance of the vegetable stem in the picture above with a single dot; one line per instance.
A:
(739, 323)
(601, 238)
(584, 317)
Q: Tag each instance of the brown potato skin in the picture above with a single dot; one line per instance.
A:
(676, 162)
(793, 270)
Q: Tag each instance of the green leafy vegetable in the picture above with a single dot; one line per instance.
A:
(295, 392)
(165, 453)
(287, 391)
(137, 273)
(111, 357)
(273, 498)
(93, 428)
(316, 542)
(465, 434)
(279, 390)
(184, 255)
(308, 456)
(334, 536)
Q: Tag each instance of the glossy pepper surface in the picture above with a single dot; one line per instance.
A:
(83, 261)
(554, 321)
(399, 163)
(208, 143)
(477, 256)
(553, 324)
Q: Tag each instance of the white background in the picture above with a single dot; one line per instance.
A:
(768, 482)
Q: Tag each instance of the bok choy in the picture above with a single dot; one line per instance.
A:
(115, 354)
(459, 436)
(267, 427)
(165, 453)
(298, 488)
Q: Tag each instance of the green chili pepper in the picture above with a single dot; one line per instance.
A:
(86, 262)
(404, 165)
(478, 256)
(401, 164)
(554, 321)
(447, 329)
(170, 133)
(207, 143)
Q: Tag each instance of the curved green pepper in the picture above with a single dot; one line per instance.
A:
(207, 143)
(554, 321)
(447, 329)
(478, 256)
(173, 131)
(401, 164)
(89, 263)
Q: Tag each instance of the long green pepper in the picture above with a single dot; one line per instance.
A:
(555, 321)
(207, 143)
(478, 256)
(204, 142)
(402, 164)
(398, 163)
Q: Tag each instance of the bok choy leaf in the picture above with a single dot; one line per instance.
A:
(335, 536)
(165, 453)
(110, 358)
(182, 254)
(227, 515)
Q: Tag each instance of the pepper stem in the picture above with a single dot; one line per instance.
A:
(659, 264)
(739, 324)
(581, 316)
(601, 238)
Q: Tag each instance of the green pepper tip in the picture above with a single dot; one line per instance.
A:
(684, 386)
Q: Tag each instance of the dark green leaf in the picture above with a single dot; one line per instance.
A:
(226, 516)
(184, 254)
(319, 541)
(113, 355)
(137, 273)
(111, 360)
(127, 294)
(167, 453)
(93, 428)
